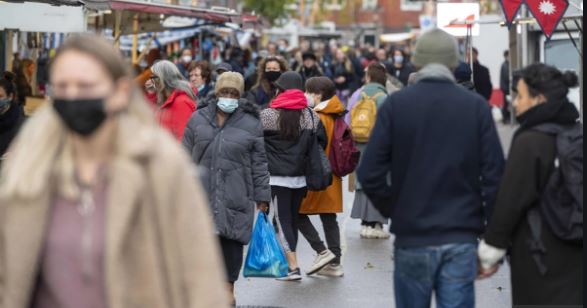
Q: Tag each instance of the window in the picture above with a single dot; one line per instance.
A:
(369, 4)
(411, 5)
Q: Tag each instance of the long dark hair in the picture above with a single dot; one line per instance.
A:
(289, 124)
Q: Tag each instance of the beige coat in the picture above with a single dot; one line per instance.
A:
(160, 248)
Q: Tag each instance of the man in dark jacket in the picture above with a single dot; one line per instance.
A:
(481, 77)
(310, 67)
(504, 85)
(439, 143)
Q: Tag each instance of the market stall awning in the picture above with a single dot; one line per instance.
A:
(397, 37)
(219, 15)
(41, 17)
(165, 9)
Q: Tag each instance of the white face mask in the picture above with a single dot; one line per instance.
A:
(310, 99)
(186, 59)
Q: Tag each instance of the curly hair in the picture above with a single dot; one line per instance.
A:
(262, 80)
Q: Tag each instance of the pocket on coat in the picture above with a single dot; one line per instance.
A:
(236, 190)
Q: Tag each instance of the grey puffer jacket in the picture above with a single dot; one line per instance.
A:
(235, 170)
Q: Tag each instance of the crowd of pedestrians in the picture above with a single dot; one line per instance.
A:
(142, 191)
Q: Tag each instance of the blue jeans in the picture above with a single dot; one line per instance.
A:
(448, 270)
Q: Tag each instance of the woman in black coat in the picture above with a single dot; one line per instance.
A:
(11, 114)
(541, 98)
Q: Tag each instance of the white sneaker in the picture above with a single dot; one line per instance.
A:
(332, 270)
(294, 275)
(379, 233)
(321, 261)
(363, 231)
(370, 233)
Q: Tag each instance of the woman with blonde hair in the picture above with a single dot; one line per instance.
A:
(97, 204)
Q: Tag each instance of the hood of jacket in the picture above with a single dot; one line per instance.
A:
(373, 88)
(291, 99)
(176, 95)
(334, 107)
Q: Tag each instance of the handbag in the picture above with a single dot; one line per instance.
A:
(318, 170)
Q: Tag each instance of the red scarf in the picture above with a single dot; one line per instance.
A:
(290, 99)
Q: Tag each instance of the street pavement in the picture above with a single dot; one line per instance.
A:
(368, 275)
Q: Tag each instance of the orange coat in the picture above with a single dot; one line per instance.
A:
(329, 200)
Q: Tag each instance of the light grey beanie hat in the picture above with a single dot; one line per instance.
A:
(436, 46)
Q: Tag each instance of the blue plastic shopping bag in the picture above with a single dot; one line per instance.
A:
(265, 257)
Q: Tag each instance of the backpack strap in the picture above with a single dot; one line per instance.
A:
(535, 244)
(377, 95)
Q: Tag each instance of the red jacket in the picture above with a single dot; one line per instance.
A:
(175, 113)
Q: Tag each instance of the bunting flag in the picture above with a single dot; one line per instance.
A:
(510, 10)
(548, 13)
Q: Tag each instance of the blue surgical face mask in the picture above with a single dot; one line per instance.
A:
(227, 105)
(398, 59)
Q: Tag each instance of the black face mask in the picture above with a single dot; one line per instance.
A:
(272, 76)
(82, 116)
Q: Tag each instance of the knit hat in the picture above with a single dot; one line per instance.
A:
(436, 46)
(224, 67)
(230, 80)
(290, 80)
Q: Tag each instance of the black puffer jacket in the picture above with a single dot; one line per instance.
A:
(10, 123)
(234, 164)
(288, 157)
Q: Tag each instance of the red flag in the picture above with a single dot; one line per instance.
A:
(548, 13)
(510, 9)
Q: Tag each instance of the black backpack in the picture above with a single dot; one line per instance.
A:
(561, 206)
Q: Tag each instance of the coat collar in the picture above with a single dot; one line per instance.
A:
(435, 72)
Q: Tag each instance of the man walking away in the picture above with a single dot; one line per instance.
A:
(504, 84)
(439, 142)
(481, 77)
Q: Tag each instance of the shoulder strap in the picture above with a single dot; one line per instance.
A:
(312, 117)
(378, 94)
